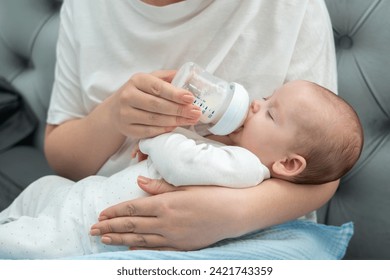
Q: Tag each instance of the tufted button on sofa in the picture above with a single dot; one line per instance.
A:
(28, 33)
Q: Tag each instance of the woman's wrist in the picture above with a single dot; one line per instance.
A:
(105, 116)
(79, 147)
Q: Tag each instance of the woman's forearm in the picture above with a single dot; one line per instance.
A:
(276, 201)
(145, 106)
(188, 218)
(79, 147)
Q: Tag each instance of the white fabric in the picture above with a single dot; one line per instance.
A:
(253, 42)
(185, 158)
(52, 217)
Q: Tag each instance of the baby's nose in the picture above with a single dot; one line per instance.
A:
(255, 106)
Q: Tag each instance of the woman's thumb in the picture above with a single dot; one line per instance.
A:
(154, 186)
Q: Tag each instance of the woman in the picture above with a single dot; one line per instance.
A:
(103, 100)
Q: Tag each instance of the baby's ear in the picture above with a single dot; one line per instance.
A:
(290, 166)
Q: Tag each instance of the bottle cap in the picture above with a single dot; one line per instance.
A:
(235, 113)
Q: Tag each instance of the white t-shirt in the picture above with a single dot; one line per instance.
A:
(260, 44)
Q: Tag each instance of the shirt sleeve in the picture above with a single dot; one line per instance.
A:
(184, 161)
(66, 99)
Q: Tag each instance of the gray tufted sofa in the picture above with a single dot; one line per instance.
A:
(28, 33)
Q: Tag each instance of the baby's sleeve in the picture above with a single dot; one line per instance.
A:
(184, 161)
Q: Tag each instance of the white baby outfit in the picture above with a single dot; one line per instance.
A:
(52, 217)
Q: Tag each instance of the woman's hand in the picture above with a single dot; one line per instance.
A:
(148, 105)
(188, 218)
(175, 219)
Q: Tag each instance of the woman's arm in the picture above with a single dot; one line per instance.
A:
(145, 106)
(78, 141)
(190, 218)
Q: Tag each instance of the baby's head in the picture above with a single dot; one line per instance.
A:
(303, 133)
(330, 136)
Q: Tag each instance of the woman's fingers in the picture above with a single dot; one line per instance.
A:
(166, 75)
(142, 207)
(158, 87)
(148, 105)
(127, 233)
(187, 115)
(134, 240)
(155, 186)
(130, 208)
(138, 131)
(130, 231)
(126, 225)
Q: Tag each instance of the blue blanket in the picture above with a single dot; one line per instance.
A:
(296, 240)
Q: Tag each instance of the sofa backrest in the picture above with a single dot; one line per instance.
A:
(362, 37)
(28, 35)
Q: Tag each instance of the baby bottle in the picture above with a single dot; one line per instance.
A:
(224, 105)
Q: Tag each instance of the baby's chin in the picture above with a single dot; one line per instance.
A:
(236, 135)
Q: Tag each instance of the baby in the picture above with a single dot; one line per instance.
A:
(302, 133)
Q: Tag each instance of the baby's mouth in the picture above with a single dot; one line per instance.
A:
(238, 130)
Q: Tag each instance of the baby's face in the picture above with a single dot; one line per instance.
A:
(271, 125)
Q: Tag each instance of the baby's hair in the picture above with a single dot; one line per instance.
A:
(332, 148)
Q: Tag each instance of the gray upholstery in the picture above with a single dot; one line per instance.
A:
(28, 34)
(28, 31)
(362, 37)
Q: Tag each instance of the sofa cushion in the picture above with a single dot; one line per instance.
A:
(17, 121)
(28, 36)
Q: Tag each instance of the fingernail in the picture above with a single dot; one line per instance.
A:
(95, 232)
(106, 240)
(102, 218)
(195, 108)
(142, 180)
(188, 98)
(195, 113)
